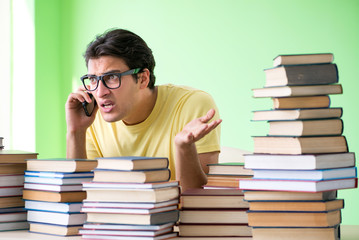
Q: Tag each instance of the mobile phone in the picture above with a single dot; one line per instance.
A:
(89, 107)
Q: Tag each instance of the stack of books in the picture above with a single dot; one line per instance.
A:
(299, 166)
(53, 194)
(214, 214)
(12, 211)
(131, 198)
(226, 175)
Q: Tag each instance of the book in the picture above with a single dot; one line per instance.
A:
(306, 74)
(304, 162)
(61, 165)
(65, 207)
(311, 58)
(306, 127)
(300, 145)
(297, 206)
(15, 156)
(132, 195)
(59, 174)
(294, 91)
(125, 218)
(289, 196)
(12, 209)
(123, 227)
(222, 181)
(213, 198)
(11, 191)
(37, 195)
(215, 216)
(229, 168)
(12, 168)
(13, 216)
(296, 114)
(130, 205)
(295, 233)
(214, 230)
(57, 218)
(301, 102)
(119, 233)
(102, 209)
(54, 229)
(53, 187)
(141, 176)
(10, 202)
(56, 180)
(105, 237)
(132, 163)
(293, 219)
(14, 226)
(130, 185)
(11, 180)
(297, 185)
(313, 175)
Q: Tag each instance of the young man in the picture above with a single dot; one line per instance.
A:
(138, 118)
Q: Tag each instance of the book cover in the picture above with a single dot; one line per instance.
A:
(309, 58)
(132, 163)
(61, 165)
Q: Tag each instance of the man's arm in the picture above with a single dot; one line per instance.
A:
(77, 124)
(191, 167)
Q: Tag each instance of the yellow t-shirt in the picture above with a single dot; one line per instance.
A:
(175, 107)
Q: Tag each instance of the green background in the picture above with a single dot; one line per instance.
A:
(220, 46)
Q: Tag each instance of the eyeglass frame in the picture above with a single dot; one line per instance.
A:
(100, 78)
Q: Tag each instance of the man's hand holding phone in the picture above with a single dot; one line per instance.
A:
(81, 110)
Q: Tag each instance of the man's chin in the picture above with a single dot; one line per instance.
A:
(110, 118)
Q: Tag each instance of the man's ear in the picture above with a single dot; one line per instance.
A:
(143, 78)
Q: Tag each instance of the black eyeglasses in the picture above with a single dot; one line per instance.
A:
(110, 80)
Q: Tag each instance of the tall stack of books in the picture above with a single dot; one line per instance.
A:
(299, 166)
(53, 194)
(131, 198)
(12, 211)
(214, 214)
(226, 175)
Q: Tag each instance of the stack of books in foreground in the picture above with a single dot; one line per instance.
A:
(299, 166)
(12, 211)
(214, 214)
(53, 194)
(131, 198)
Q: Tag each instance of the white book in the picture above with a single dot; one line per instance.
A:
(53, 206)
(165, 236)
(56, 217)
(134, 205)
(53, 187)
(128, 210)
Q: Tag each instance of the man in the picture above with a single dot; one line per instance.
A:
(138, 118)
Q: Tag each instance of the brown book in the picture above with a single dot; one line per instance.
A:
(15, 156)
(217, 216)
(295, 233)
(145, 219)
(10, 202)
(215, 230)
(61, 230)
(300, 145)
(12, 168)
(294, 114)
(145, 176)
(132, 163)
(294, 219)
(297, 206)
(54, 196)
(230, 181)
(132, 195)
(213, 198)
(297, 91)
(308, 74)
(301, 102)
(295, 59)
(229, 168)
(290, 196)
(306, 127)
(61, 165)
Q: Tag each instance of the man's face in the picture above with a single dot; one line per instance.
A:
(115, 104)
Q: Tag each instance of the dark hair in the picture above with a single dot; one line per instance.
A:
(125, 45)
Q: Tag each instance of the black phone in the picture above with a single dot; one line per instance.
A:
(89, 107)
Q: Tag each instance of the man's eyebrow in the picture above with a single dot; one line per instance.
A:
(113, 71)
